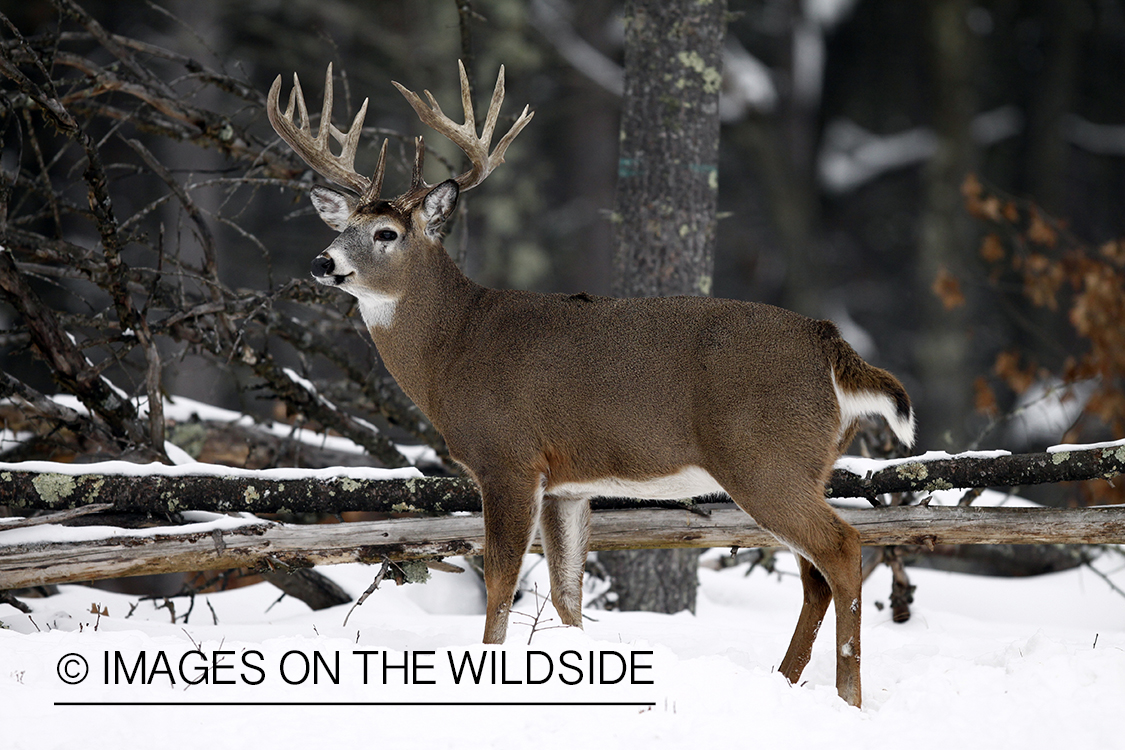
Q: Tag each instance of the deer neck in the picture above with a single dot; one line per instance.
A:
(428, 321)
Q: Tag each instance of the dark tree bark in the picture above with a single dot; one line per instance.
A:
(943, 401)
(667, 180)
(665, 214)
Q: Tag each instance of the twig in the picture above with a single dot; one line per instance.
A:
(383, 570)
(58, 517)
(1104, 577)
(541, 604)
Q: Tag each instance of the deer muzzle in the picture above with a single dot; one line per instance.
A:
(322, 265)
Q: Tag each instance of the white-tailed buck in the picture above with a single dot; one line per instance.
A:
(549, 400)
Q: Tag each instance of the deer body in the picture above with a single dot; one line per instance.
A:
(549, 400)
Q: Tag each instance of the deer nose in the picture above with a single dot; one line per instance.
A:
(322, 265)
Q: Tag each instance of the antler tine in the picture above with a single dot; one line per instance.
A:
(521, 122)
(350, 139)
(493, 109)
(416, 181)
(325, 111)
(372, 193)
(467, 100)
(299, 96)
(315, 151)
(465, 135)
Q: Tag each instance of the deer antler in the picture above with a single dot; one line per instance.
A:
(465, 135)
(315, 150)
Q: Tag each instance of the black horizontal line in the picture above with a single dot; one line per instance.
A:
(355, 703)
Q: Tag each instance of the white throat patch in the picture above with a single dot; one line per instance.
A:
(378, 310)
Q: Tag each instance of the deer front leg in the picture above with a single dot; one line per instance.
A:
(566, 535)
(511, 511)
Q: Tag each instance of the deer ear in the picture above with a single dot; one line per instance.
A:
(335, 208)
(438, 205)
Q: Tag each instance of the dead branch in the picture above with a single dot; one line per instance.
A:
(964, 472)
(20, 488)
(69, 99)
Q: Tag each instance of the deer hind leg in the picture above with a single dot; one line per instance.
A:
(830, 570)
(511, 511)
(817, 596)
(830, 553)
(565, 525)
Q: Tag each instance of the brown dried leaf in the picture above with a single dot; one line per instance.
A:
(1011, 212)
(1008, 369)
(991, 209)
(992, 248)
(948, 290)
(1114, 251)
(1042, 279)
(971, 187)
(1040, 232)
(984, 398)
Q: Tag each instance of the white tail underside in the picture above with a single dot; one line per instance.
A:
(855, 404)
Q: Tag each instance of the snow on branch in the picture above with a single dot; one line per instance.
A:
(159, 488)
(935, 472)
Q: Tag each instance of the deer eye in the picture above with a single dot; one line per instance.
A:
(386, 235)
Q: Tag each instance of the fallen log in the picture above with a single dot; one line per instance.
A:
(45, 486)
(263, 545)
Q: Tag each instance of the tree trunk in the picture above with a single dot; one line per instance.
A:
(665, 214)
(943, 402)
(667, 180)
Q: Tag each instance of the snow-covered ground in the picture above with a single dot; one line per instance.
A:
(1024, 663)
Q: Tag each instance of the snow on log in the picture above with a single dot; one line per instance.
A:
(156, 488)
(933, 472)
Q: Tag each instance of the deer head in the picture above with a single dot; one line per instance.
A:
(380, 236)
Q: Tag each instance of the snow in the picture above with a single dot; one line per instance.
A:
(1033, 663)
(1047, 409)
(130, 469)
(1095, 137)
(828, 13)
(862, 466)
(1068, 447)
(196, 522)
(181, 409)
(851, 156)
(747, 84)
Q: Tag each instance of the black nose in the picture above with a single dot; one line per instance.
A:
(322, 265)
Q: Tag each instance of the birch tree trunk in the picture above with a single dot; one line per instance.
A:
(665, 214)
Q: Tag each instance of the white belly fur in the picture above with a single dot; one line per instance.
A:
(691, 481)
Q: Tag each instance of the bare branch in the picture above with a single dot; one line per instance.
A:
(447, 495)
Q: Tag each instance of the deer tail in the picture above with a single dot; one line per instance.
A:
(863, 389)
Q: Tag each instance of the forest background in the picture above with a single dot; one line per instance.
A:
(946, 180)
